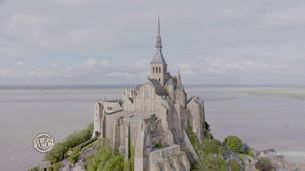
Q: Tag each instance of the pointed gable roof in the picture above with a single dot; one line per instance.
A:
(160, 90)
(158, 57)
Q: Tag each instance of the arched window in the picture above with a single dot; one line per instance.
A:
(159, 69)
(153, 70)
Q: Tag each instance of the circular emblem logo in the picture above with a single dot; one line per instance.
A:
(43, 142)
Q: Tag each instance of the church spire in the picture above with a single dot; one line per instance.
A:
(158, 64)
(158, 57)
(158, 42)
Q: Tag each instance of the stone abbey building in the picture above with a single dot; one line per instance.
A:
(153, 118)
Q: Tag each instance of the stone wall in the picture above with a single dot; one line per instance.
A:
(97, 119)
(197, 118)
(169, 158)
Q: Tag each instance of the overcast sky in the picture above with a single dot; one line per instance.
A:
(105, 42)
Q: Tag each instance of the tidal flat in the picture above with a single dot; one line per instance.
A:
(296, 92)
(264, 117)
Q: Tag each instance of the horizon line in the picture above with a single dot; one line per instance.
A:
(119, 85)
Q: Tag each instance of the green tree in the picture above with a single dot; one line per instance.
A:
(233, 143)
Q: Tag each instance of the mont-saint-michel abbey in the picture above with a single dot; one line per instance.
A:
(156, 126)
(97, 85)
(153, 118)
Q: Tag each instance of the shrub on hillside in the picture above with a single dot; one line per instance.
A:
(58, 152)
(74, 156)
(264, 164)
(233, 165)
(209, 152)
(233, 143)
(211, 162)
(107, 160)
(212, 146)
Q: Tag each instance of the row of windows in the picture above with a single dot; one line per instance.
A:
(156, 69)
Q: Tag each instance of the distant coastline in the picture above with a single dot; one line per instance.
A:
(110, 86)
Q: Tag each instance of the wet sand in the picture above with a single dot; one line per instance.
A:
(262, 117)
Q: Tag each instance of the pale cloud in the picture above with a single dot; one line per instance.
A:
(20, 63)
(95, 41)
(4, 72)
(288, 17)
(88, 68)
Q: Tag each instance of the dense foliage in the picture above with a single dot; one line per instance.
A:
(59, 151)
(209, 152)
(211, 162)
(129, 165)
(264, 164)
(212, 146)
(233, 143)
(233, 164)
(74, 156)
(105, 159)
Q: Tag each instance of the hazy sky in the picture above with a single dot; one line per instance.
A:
(103, 42)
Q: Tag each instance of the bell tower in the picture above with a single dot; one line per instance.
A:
(158, 64)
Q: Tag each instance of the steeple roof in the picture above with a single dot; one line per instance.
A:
(158, 57)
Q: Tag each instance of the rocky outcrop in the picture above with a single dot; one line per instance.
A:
(278, 161)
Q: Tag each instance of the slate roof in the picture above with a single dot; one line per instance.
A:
(158, 58)
(160, 90)
(138, 87)
(196, 99)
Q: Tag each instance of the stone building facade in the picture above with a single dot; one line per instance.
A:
(153, 118)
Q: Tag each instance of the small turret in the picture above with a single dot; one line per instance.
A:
(179, 82)
(171, 88)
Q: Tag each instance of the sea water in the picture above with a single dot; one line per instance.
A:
(262, 120)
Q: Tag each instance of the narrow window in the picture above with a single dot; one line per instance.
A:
(153, 70)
